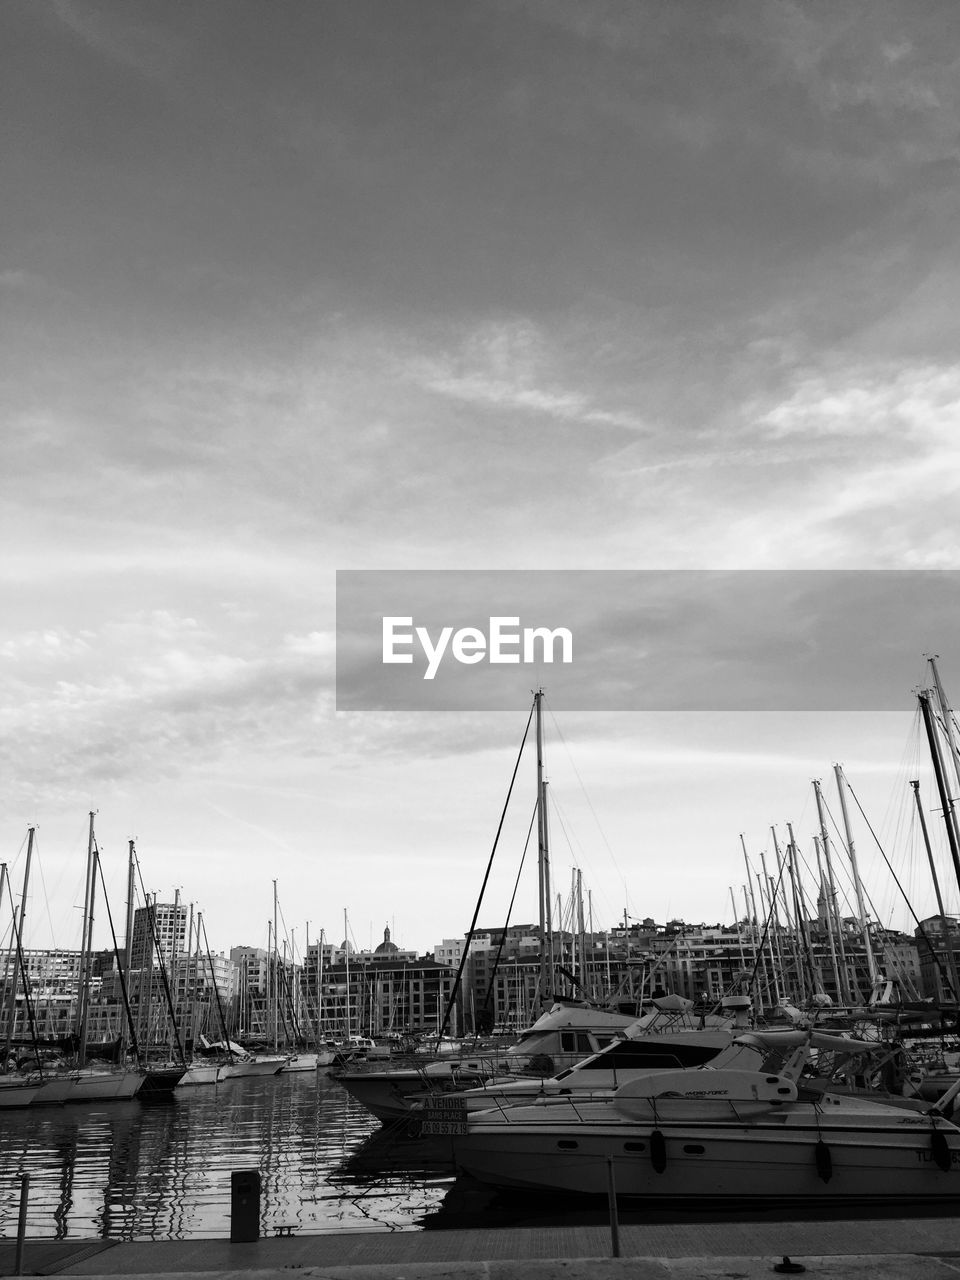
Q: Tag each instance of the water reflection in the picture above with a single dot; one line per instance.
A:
(126, 1171)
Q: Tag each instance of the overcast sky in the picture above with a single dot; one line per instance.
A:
(539, 284)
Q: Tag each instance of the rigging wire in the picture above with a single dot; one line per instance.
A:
(920, 928)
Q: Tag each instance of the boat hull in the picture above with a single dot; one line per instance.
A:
(160, 1082)
(105, 1086)
(198, 1073)
(310, 1061)
(18, 1091)
(257, 1067)
(809, 1159)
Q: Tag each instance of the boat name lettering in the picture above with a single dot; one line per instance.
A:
(925, 1157)
(504, 642)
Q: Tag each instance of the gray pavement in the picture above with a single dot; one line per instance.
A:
(890, 1249)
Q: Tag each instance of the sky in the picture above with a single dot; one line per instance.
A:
(305, 289)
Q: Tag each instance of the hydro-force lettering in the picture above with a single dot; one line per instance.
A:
(503, 642)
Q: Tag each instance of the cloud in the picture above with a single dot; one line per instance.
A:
(511, 365)
(154, 693)
(907, 405)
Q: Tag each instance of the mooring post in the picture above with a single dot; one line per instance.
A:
(22, 1223)
(244, 1206)
(612, 1198)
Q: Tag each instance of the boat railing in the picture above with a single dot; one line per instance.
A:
(563, 1109)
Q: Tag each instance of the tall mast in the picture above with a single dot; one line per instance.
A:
(128, 936)
(543, 863)
(776, 952)
(872, 969)
(736, 921)
(88, 965)
(791, 927)
(86, 934)
(848, 993)
(751, 906)
(276, 976)
(190, 986)
(828, 917)
(346, 956)
(948, 938)
(946, 715)
(305, 978)
(175, 962)
(949, 814)
(18, 950)
(320, 984)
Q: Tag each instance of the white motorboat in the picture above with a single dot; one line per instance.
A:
(598, 1075)
(727, 1134)
(561, 1037)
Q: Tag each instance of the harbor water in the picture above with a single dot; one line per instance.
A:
(130, 1171)
(162, 1171)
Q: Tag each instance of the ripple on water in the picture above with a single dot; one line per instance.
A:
(126, 1171)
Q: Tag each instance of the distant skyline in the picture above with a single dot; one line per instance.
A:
(538, 284)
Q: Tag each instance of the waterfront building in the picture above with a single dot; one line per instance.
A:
(53, 982)
(936, 938)
(161, 926)
(384, 992)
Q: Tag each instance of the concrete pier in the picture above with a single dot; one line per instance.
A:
(892, 1249)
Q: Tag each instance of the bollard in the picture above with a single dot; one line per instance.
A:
(22, 1223)
(614, 1220)
(244, 1206)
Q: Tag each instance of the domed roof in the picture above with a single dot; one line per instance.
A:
(386, 947)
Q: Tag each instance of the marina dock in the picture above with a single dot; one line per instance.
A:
(893, 1249)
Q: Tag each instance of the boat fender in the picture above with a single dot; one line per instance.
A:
(824, 1161)
(658, 1151)
(940, 1150)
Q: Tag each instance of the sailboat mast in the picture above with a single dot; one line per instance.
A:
(18, 932)
(82, 993)
(847, 992)
(128, 936)
(872, 969)
(543, 864)
(946, 802)
(948, 937)
(88, 956)
(751, 905)
(828, 917)
(346, 956)
(276, 976)
(946, 715)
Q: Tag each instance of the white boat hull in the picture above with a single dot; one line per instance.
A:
(18, 1091)
(199, 1073)
(309, 1061)
(103, 1086)
(256, 1067)
(770, 1158)
(54, 1091)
